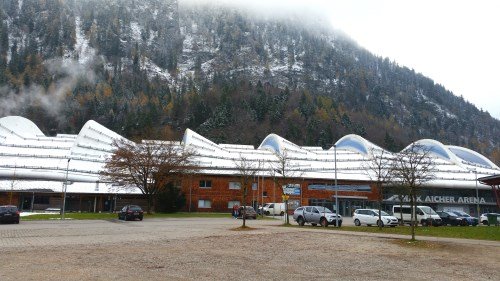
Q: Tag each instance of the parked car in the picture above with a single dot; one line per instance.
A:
(316, 215)
(470, 220)
(452, 219)
(425, 215)
(9, 213)
(131, 212)
(484, 218)
(249, 212)
(370, 217)
(261, 208)
(274, 209)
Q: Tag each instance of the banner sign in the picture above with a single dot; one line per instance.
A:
(366, 188)
(440, 199)
(291, 189)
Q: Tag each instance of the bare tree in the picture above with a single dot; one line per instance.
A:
(247, 170)
(412, 168)
(379, 168)
(284, 167)
(149, 165)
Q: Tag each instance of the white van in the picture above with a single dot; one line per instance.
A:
(425, 215)
(274, 209)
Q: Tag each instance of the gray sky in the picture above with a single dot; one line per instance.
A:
(454, 42)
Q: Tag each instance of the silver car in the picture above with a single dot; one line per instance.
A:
(316, 215)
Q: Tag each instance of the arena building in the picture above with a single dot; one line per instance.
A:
(36, 170)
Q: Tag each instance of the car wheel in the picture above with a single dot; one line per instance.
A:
(282, 213)
(323, 222)
(464, 223)
(485, 222)
(357, 222)
(140, 219)
(380, 223)
(301, 221)
(314, 224)
(267, 213)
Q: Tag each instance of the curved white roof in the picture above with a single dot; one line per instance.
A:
(26, 155)
(20, 126)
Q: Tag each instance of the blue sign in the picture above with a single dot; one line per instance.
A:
(291, 189)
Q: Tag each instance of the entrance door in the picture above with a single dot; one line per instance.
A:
(26, 202)
(347, 206)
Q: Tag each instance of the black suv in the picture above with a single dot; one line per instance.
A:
(452, 219)
(131, 212)
(9, 213)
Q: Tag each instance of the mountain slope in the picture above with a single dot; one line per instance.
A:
(232, 73)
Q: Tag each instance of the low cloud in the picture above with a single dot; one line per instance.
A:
(51, 99)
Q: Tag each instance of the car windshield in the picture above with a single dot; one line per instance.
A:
(381, 213)
(460, 213)
(428, 210)
(135, 208)
(323, 209)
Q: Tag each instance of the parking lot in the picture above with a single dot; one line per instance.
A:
(212, 249)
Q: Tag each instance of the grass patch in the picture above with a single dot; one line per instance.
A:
(427, 245)
(241, 228)
(478, 232)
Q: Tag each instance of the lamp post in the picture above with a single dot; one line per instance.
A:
(336, 187)
(477, 199)
(65, 187)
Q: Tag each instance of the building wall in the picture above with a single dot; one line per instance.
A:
(268, 191)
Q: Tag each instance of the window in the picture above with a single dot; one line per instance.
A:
(231, 204)
(204, 204)
(205, 184)
(264, 194)
(41, 200)
(234, 185)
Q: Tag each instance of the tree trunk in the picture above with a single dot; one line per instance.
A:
(244, 214)
(413, 216)
(380, 205)
(401, 221)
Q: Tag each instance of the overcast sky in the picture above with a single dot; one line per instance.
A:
(454, 42)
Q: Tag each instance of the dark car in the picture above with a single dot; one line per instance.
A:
(249, 212)
(452, 219)
(470, 220)
(131, 212)
(9, 213)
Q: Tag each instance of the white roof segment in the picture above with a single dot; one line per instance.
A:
(27, 156)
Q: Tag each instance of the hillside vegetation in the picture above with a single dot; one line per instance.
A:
(231, 74)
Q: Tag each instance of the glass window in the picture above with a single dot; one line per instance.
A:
(469, 156)
(204, 204)
(231, 204)
(234, 185)
(205, 184)
(350, 142)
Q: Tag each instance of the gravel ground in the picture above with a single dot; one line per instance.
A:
(211, 249)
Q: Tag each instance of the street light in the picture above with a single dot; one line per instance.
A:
(65, 187)
(474, 170)
(336, 187)
(477, 199)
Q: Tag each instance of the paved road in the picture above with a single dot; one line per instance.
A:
(95, 232)
(212, 249)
